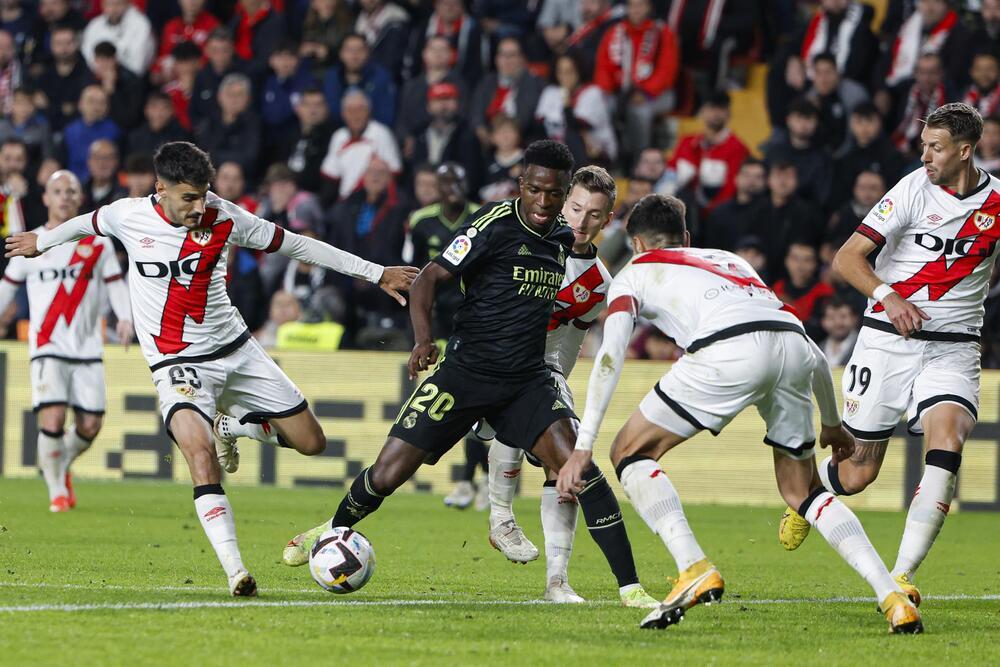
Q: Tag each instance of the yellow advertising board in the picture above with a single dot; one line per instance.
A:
(356, 396)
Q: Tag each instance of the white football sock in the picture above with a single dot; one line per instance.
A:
(231, 426)
(928, 509)
(824, 474)
(50, 462)
(559, 528)
(216, 516)
(841, 529)
(655, 499)
(504, 471)
(73, 446)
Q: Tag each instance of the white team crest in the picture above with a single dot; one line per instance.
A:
(580, 293)
(983, 221)
(84, 251)
(851, 407)
(201, 236)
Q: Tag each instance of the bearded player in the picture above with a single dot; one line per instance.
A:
(66, 291)
(200, 352)
(935, 234)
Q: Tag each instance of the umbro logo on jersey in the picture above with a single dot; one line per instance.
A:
(934, 217)
(523, 250)
(147, 242)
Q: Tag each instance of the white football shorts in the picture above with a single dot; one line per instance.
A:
(79, 385)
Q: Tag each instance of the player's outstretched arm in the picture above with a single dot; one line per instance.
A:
(832, 434)
(603, 380)
(32, 244)
(851, 261)
(425, 352)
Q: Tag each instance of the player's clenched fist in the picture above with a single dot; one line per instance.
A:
(839, 440)
(907, 318)
(424, 356)
(396, 279)
(22, 244)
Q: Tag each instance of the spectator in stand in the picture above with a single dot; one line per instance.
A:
(926, 94)
(868, 148)
(326, 24)
(257, 28)
(652, 165)
(835, 98)
(29, 125)
(840, 28)
(353, 146)
(751, 248)
(20, 23)
(596, 18)
(706, 164)
(21, 205)
(128, 29)
(869, 188)
(574, 112)
(293, 209)
(934, 28)
(10, 71)
(310, 139)
(988, 148)
(286, 82)
(800, 148)
(425, 185)
(140, 178)
(51, 13)
(233, 133)
(801, 288)
(987, 31)
(616, 246)
(371, 223)
(732, 219)
(782, 217)
(63, 80)
(124, 89)
(510, 91)
(285, 307)
(93, 124)
(193, 26)
(102, 187)
(358, 70)
(438, 57)
(506, 18)
(984, 92)
(504, 168)
(159, 127)
(840, 324)
(447, 137)
(230, 184)
(637, 66)
(449, 20)
(186, 64)
(386, 28)
(222, 61)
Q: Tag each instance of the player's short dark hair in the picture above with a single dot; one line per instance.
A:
(825, 57)
(548, 154)
(186, 51)
(183, 162)
(658, 218)
(139, 163)
(866, 110)
(596, 179)
(962, 121)
(105, 50)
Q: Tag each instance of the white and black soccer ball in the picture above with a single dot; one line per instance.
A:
(342, 560)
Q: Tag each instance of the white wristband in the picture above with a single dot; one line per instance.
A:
(882, 291)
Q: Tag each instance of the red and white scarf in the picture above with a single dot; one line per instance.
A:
(711, 16)
(910, 44)
(818, 39)
(621, 52)
(918, 107)
(987, 103)
(614, 13)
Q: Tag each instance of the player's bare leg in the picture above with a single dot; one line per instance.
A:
(300, 432)
(193, 436)
(601, 510)
(946, 428)
(799, 485)
(634, 453)
(77, 440)
(51, 455)
(396, 464)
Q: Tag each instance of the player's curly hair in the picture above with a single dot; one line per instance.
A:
(659, 219)
(962, 121)
(548, 154)
(183, 162)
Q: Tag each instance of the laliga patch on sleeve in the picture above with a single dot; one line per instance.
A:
(458, 249)
(884, 209)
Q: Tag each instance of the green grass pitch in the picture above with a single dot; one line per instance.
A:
(128, 578)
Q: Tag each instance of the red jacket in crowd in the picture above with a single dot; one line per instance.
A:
(648, 51)
(709, 169)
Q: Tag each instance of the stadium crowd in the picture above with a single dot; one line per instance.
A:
(335, 118)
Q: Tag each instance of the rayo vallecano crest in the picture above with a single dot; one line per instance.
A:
(201, 236)
(983, 221)
(580, 293)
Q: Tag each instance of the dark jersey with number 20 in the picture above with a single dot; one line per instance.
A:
(511, 275)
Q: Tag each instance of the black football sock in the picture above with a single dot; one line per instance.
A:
(475, 456)
(604, 521)
(360, 501)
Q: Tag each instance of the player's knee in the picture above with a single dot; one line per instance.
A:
(204, 465)
(311, 444)
(384, 479)
(52, 419)
(858, 479)
(87, 427)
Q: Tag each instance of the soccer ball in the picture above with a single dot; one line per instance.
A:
(342, 560)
